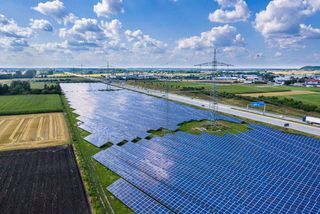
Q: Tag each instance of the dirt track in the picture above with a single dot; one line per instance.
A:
(32, 131)
(276, 93)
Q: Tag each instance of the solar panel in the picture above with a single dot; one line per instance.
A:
(114, 116)
(135, 199)
(167, 196)
(263, 170)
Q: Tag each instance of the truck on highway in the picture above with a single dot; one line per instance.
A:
(312, 120)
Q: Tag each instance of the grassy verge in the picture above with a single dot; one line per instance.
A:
(96, 176)
(30, 104)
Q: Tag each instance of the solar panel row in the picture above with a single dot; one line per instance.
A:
(135, 199)
(172, 199)
(263, 170)
(114, 116)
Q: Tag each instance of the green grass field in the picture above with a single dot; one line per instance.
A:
(40, 85)
(30, 104)
(294, 88)
(312, 99)
(190, 127)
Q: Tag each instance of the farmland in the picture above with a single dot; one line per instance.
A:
(294, 88)
(277, 93)
(30, 104)
(32, 131)
(313, 99)
(43, 180)
(228, 88)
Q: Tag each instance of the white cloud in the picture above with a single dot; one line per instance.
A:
(55, 9)
(315, 4)
(278, 54)
(108, 7)
(9, 28)
(113, 29)
(134, 36)
(85, 32)
(14, 44)
(218, 37)
(144, 44)
(49, 47)
(309, 32)
(281, 23)
(235, 52)
(41, 24)
(240, 13)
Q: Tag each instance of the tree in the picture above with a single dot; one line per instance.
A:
(30, 73)
(18, 74)
(6, 76)
(50, 72)
(5, 89)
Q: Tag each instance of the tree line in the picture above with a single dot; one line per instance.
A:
(24, 88)
(28, 74)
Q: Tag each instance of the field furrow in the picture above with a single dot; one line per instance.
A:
(31, 131)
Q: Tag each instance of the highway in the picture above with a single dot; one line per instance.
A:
(268, 118)
(233, 110)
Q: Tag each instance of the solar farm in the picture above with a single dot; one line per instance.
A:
(261, 171)
(114, 116)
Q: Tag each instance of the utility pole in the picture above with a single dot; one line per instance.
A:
(213, 119)
(90, 86)
(108, 72)
(166, 127)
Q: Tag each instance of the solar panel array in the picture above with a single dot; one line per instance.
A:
(135, 199)
(260, 171)
(114, 116)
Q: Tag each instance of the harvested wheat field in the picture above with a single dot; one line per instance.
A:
(284, 93)
(32, 131)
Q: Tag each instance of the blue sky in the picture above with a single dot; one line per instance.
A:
(159, 33)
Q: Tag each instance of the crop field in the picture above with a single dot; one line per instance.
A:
(276, 93)
(30, 104)
(32, 131)
(298, 72)
(45, 180)
(48, 78)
